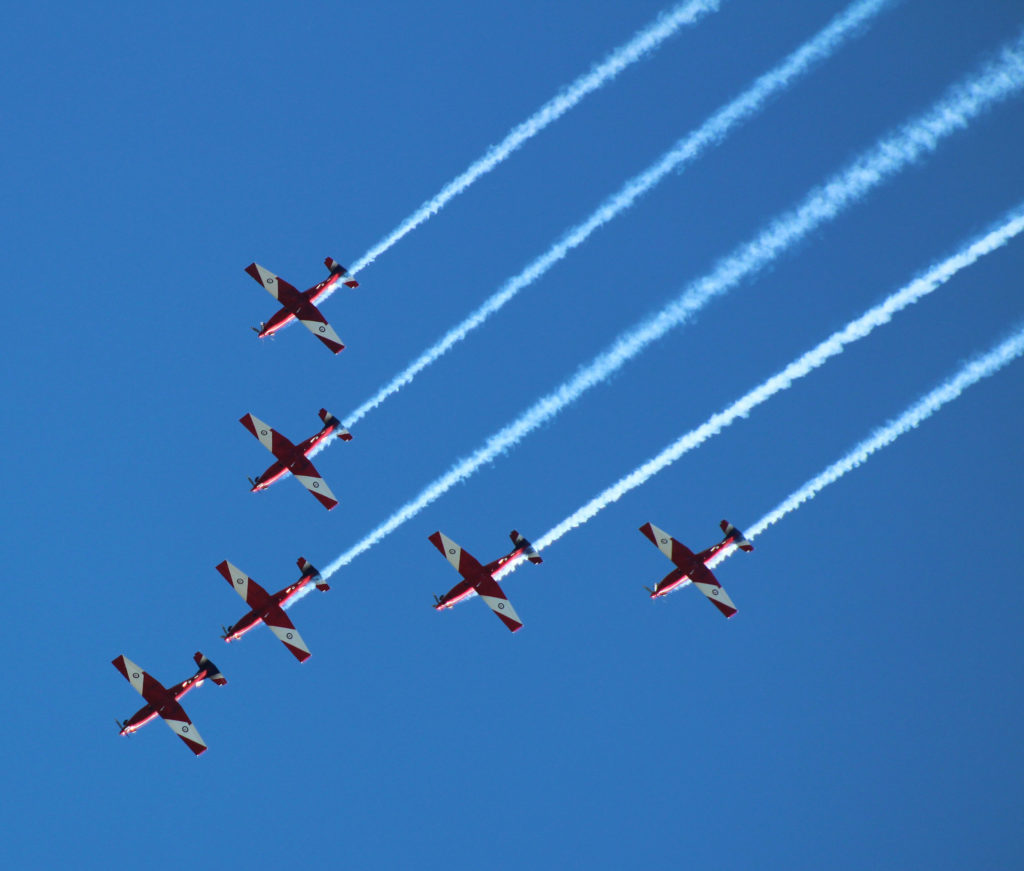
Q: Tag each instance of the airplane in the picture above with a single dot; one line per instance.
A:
(301, 305)
(292, 458)
(164, 702)
(480, 579)
(267, 608)
(690, 566)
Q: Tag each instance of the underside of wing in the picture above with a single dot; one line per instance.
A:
(679, 553)
(489, 590)
(144, 684)
(277, 287)
(708, 584)
(286, 632)
(309, 316)
(307, 475)
(462, 561)
(255, 596)
(269, 437)
(174, 716)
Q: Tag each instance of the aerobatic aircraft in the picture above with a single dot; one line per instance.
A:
(301, 305)
(164, 702)
(690, 566)
(292, 458)
(267, 608)
(480, 579)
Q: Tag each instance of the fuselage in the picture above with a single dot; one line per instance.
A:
(281, 467)
(153, 709)
(286, 315)
(467, 586)
(257, 615)
(682, 572)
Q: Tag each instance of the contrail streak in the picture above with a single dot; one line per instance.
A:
(857, 329)
(971, 374)
(686, 150)
(643, 42)
(997, 81)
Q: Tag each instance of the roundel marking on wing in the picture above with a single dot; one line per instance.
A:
(135, 675)
(322, 329)
(270, 279)
(289, 636)
(714, 591)
(451, 550)
(664, 541)
(501, 606)
(316, 484)
(239, 581)
(184, 728)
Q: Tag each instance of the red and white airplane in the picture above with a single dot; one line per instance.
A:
(480, 579)
(301, 305)
(267, 608)
(164, 702)
(691, 566)
(292, 458)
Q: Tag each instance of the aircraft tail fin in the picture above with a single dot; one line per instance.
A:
(528, 549)
(330, 420)
(335, 268)
(310, 571)
(212, 672)
(737, 537)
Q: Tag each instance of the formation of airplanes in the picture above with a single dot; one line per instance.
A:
(477, 579)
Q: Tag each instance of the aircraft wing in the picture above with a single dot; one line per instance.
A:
(498, 602)
(144, 684)
(286, 632)
(463, 561)
(309, 316)
(708, 584)
(278, 288)
(174, 716)
(255, 596)
(269, 437)
(307, 475)
(679, 553)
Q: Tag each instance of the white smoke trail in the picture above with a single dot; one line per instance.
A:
(641, 44)
(686, 150)
(954, 111)
(1004, 353)
(857, 329)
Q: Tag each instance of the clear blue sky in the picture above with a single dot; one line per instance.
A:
(861, 710)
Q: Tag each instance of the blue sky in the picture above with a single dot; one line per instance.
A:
(860, 709)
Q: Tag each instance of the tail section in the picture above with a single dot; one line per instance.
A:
(336, 268)
(309, 571)
(528, 549)
(330, 420)
(212, 672)
(735, 536)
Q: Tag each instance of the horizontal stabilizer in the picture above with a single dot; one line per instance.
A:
(735, 536)
(335, 268)
(212, 672)
(529, 551)
(310, 571)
